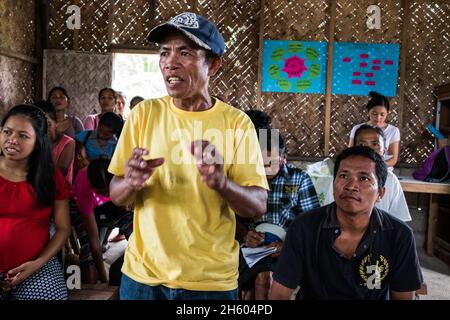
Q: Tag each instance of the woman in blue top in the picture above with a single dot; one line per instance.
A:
(99, 143)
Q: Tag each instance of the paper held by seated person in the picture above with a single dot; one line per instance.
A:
(253, 255)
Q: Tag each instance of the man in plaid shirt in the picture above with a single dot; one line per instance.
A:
(291, 193)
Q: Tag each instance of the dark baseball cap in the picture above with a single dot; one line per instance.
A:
(197, 28)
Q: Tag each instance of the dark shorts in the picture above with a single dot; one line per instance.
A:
(248, 275)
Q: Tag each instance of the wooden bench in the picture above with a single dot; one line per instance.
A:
(100, 291)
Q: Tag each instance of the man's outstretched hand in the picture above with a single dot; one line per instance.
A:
(138, 170)
(209, 163)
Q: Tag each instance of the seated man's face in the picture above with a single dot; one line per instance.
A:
(371, 139)
(355, 187)
(272, 162)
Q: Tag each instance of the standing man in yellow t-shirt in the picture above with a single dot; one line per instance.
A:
(189, 162)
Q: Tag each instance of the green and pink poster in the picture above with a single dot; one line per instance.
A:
(294, 66)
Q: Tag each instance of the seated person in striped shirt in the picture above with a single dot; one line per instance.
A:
(291, 193)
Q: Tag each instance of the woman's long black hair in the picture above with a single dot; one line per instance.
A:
(64, 91)
(40, 164)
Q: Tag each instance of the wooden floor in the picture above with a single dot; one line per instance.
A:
(95, 292)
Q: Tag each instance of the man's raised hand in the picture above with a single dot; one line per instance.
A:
(209, 163)
(138, 170)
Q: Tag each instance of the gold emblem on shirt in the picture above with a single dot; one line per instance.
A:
(372, 274)
(291, 189)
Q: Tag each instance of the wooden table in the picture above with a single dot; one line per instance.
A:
(409, 184)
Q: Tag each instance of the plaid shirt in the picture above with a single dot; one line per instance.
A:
(291, 193)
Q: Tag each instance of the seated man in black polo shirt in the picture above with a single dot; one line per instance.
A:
(350, 249)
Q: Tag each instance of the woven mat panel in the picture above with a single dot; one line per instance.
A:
(81, 74)
(59, 36)
(296, 20)
(16, 83)
(351, 16)
(164, 10)
(351, 20)
(17, 26)
(238, 21)
(299, 116)
(428, 65)
(93, 35)
(131, 22)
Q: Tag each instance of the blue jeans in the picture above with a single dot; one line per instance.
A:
(132, 290)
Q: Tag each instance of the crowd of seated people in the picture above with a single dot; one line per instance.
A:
(79, 154)
(52, 167)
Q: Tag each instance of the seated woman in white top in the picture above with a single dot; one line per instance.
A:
(378, 108)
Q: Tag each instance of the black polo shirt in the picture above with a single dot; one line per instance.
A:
(385, 259)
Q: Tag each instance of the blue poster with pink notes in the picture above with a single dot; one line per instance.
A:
(359, 68)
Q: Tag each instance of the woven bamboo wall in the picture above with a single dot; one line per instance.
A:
(84, 73)
(301, 116)
(107, 23)
(238, 21)
(17, 37)
(351, 27)
(427, 65)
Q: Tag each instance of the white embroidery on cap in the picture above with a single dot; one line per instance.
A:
(187, 20)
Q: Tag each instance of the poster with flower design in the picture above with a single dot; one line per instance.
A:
(294, 66)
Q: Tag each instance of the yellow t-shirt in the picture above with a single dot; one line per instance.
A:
(183, 234)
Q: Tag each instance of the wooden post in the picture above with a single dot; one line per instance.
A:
(327, 131)
(110, 22)
(41, 36)
(76, 32)
(403, 58)
(152, 9)
(20, 56)
(194, 6)
(260, 53)
(433, 212)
